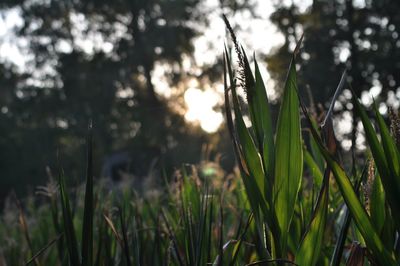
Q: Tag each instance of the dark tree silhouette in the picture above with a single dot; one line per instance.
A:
(368, 32)
(96, 60)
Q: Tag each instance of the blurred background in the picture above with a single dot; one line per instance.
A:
(148, 73)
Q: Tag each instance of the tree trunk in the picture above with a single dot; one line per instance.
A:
(145, 56)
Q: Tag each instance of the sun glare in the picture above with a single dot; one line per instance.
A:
(200, 106)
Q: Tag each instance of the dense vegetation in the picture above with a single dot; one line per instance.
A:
(271, 212)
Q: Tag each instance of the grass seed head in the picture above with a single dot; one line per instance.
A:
(367, 187)
(245, 77)
(395, 125)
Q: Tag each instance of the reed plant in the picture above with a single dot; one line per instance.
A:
(291, 226)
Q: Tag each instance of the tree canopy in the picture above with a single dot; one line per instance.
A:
(362, 36)
(95, 60)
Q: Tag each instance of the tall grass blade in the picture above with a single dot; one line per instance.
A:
(210, 231)
(262, 115)
(100, 245)
(136, 242)
(253, 190)
(248, 148)
(383, 163)
(288, 156)
(201, 230)
(172, 237)
(310, 247)
(250, 153)
(393, 158)
(338, 90)
(124, 238)
(42, 250)
(24, 228)
(220, 258)
(250, 163)
(371, 237)
(69, 230)
(341, 240)
(377, 204)
(315, 171)
(237, 246)
(390, 149)
(273, 262)
(114, 230)
(87, 229)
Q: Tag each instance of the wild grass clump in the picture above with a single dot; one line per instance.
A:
(190, 221)
(291, 201)
(293, 224)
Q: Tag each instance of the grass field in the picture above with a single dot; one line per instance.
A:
(291, 201)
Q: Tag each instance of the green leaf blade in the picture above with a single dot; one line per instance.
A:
(383, 162)
(87, 230)
(390, 150)
(315, 171)
(288, 156)
(359, 214)
(250, 153)
(310, 248)
(69, 231)
(377, 204)
(263, 115)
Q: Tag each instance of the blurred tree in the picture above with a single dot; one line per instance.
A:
(97, 60)
(360, 35)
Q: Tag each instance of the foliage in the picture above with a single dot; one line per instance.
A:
(275, 214)
(196, 219)
(358, 35)
(275, 192)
